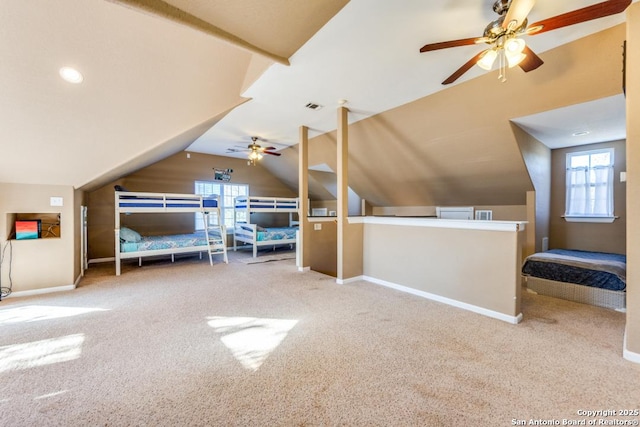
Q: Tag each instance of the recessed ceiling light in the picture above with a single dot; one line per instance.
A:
(580, 133)
(71, 75)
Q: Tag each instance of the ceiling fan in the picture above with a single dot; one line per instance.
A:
(255, 151)
(503, 35)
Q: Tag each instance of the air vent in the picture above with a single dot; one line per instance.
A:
(313, 106)
(484, 215)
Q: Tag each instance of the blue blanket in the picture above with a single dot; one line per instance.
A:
(597, 269)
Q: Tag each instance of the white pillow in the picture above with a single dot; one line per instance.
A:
(128, 235)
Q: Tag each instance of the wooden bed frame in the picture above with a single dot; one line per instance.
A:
(248, 205)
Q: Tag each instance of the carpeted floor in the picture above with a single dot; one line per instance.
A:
(187, 344)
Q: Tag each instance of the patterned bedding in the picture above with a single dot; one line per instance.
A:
(278, 233)
(596, 269)
(151, 243)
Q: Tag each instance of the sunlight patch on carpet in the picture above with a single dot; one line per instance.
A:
(251, 339)
(40, 353)
(33, 313)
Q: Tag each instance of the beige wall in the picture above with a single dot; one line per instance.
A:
(537, 158)
(176, 174)
(324, 247)
(500, 213)
(588, 236)
(42, 263)
(633, 183)
(477, 267)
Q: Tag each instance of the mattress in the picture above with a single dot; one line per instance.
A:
(152, 243)
(595, 269)
(149, 202)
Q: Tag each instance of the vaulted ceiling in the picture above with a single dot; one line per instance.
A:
(205, 75)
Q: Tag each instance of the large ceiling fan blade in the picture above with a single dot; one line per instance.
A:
(466, 67)
(272, 153)
(577, 16)
(517, 13)
(531, 60)
(451, 43)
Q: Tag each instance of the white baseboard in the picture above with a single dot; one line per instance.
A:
(349, 280)
(304, 269)
(41, 291)
(469, 307)
(627, 354)
(99, 260)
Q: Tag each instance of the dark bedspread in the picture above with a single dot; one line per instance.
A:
(597, 269)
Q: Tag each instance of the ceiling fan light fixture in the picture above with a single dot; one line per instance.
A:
(514, 45)
(487, 59)
(514, 59)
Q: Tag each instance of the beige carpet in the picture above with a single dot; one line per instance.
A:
(187, 344)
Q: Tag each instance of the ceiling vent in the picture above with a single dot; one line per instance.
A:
(313, 106)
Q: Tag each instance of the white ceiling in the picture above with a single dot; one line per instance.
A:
(587, 123)
(368, 54)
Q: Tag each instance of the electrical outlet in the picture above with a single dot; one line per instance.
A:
(317, 226)
(55, 201)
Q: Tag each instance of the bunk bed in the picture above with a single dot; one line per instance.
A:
(130, 244)
(595, 278)
(246, 232)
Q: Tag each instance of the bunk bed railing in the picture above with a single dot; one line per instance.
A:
(127, 202)
(267, 204)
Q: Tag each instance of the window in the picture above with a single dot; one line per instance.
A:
(590, 186)
(227, 193)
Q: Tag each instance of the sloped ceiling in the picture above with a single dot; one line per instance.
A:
(151, 85)
(154, 84)
(457, 146)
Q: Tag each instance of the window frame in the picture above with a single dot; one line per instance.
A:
(225, 188)
(586, 216)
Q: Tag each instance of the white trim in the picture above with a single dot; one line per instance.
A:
(627, 354)
(304, 269)
(469, 307)
(605, 219)
(350, 280)
(41, 291)
(99, 260)
(77, 282)
(441, 223)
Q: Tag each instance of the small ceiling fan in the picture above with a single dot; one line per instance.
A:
(503, 35)
(255, 151)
